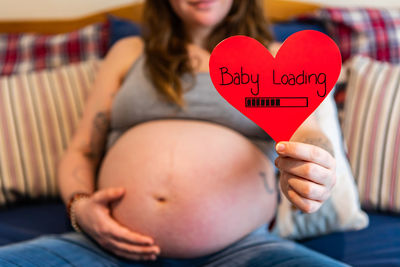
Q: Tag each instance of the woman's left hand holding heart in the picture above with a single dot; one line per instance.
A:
(307, 174)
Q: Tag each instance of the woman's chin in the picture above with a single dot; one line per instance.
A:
(205, 21)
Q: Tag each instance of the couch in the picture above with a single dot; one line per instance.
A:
(376, 245)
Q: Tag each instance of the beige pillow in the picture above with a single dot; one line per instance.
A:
(38, 113)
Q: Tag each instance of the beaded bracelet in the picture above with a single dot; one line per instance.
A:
(71, 210)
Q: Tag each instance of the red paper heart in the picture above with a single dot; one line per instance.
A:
(279, 93)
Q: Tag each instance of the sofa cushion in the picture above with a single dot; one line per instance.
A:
(290, 223)
(28, 51)
(121, 28)
(283, 30)
(38, 114)
(29, 220)
(377, 245)
(371, 128)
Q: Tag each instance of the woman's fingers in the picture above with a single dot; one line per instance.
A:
(93, 215)
(306, 152)
(307, 174)
(112, 227)
(136, 257)
(307, 189)
(115, 237)
(116, 245)
(304, 204)
(304, 169)
(126, 251)
(108, 195)
(123, 242)
(118, 232)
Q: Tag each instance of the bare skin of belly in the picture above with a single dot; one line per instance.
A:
(193, 186)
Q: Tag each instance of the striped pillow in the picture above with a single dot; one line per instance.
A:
(38, 113)
(371, 128)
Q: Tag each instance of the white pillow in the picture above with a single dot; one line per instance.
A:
(342, 210)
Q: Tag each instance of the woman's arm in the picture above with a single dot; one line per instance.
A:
(77, 168)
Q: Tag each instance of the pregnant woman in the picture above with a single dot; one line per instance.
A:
(162, 171)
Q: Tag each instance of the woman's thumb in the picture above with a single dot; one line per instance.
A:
(108, 195)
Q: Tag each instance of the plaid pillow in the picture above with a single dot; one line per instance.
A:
(27, 52)
(366, 31)
(362, 31)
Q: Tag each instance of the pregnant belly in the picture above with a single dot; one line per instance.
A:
(194, 186)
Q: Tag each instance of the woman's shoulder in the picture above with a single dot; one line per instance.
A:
(125, 52)
(132, 43)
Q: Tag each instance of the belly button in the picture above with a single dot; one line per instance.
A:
(160, 199)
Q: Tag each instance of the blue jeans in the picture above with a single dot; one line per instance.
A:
(259, 248)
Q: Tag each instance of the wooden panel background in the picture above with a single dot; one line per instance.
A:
(275, 10)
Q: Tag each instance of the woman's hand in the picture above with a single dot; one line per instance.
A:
(93, 217)
(307, 174)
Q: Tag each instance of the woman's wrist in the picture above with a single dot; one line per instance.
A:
(71, 208)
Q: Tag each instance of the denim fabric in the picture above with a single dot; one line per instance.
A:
(259, 248)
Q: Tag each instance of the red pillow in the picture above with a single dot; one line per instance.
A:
(28, 51)
(367, 31)
(370, 32)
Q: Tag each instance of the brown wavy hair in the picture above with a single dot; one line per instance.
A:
(166, 42)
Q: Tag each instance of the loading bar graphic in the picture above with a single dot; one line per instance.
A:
(276, 102)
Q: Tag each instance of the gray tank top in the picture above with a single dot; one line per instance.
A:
(139, 101)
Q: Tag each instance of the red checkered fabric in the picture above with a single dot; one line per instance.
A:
(27, 51)
(365, 31)
(362, 31)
